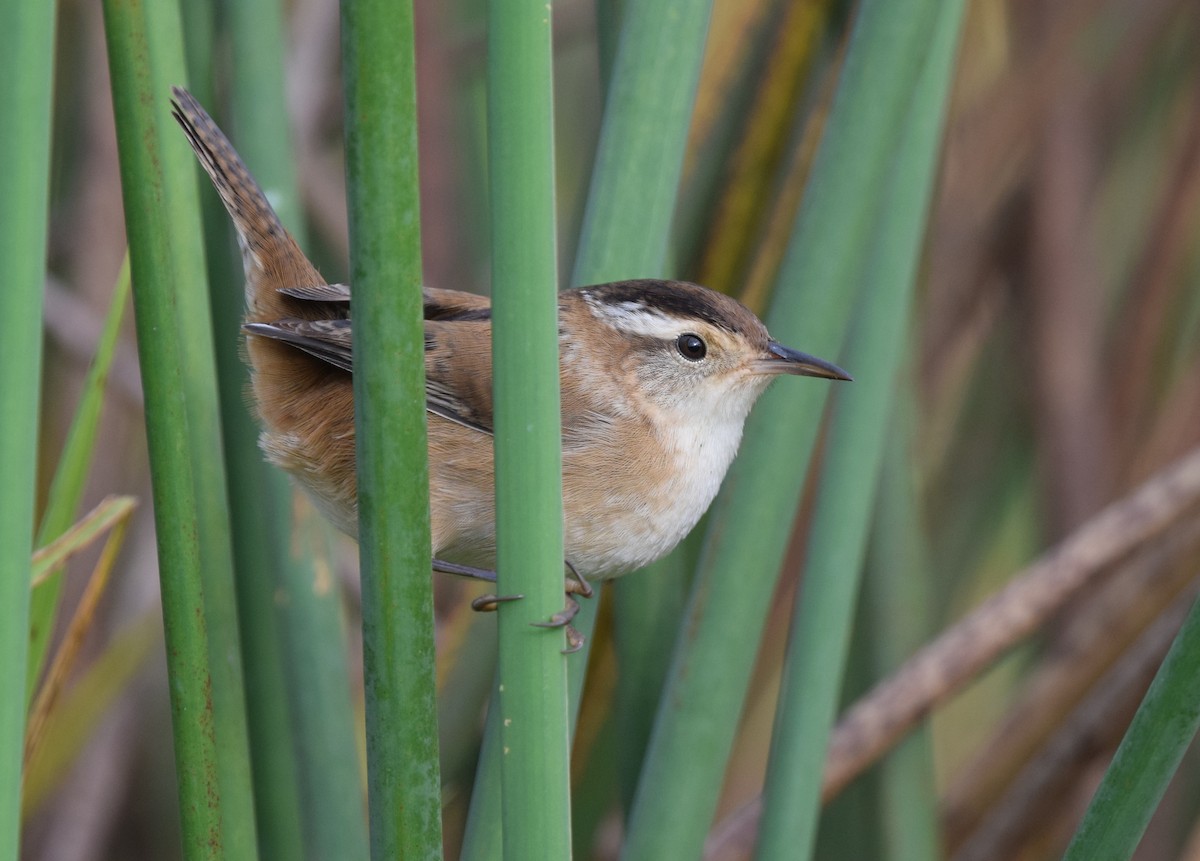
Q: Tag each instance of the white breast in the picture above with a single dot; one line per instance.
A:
(617, 531)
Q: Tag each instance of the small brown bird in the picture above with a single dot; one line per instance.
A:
(657, 379)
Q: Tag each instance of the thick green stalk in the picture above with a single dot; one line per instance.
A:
(256, 550)
(301, 708)
(174, 341)
(535, 773)
(1163, 728)
(259, 549)
(389, 393)
(752, 517)
(27, 39)
(193, 333)
(825, 604)
(625, 235)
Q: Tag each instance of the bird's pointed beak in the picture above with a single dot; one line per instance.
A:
(785, 360)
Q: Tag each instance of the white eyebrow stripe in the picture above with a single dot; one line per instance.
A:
(634, 318)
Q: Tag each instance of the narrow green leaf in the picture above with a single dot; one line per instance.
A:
(66, 489)
(1163, 728)
(27, 49)
(646, 615)
(389, 394)
(145, 51)
(631, 203)
(625, 235)
(900, 600)
(752, 518)
(80, 536)
(308, 785)
(825, 603)
(463, 697)
(529, 528)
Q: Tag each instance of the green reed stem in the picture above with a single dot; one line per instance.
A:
(389, 389)
(529, 537)
(27, 40)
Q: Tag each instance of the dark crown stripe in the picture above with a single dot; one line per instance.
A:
(677, 298)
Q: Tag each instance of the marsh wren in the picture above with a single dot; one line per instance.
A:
(657, 378)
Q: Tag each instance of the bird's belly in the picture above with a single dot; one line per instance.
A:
(606, 541)
(638, 506)
(624, 508)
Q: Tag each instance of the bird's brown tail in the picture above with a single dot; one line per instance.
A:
(271, 258)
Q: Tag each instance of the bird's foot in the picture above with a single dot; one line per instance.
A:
(490, 603)
(574, 584)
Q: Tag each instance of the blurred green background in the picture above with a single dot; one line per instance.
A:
(1053, 367)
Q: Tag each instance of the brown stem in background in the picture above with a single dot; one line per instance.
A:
(1153, 288)
(738, 214)
(1064, 313)
(988, 160)
(444, 218)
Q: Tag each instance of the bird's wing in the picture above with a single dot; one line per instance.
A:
(327, 340)
(445, 305)
(338, 293)
(455, 305)
(458, 372)
(458, 361)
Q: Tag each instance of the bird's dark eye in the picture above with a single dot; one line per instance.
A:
(691, 347)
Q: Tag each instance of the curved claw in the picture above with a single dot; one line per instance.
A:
(575, 584)
(562, 618)
(574, 641)
(489, 603)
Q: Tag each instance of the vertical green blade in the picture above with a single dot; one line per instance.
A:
(306, 765)
(27, 40)
(529, 537)
(824, 611)
(389, 394)
(174, 340)
(1164, 726)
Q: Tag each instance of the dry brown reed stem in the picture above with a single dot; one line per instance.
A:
(751, 167)
(988, 160)
(1154, 288)
(886, 714)
(1065, 314)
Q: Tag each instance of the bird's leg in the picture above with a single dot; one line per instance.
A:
(444, 567)
(484, 603)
